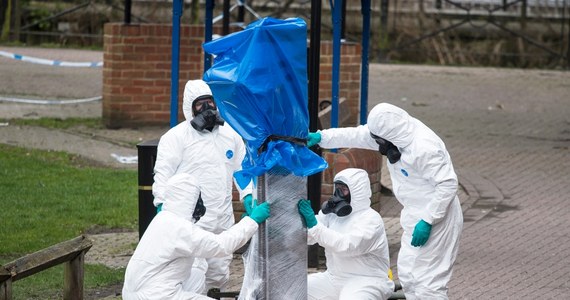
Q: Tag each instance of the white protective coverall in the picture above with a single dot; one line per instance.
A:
(425, 183)
(212, 157)
(356, 247)
(166, 251)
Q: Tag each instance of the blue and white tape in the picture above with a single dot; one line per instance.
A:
(57, 63)
(40, 101)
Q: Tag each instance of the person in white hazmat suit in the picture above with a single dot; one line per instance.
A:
(424, 182)
(163, 258)
(212, 151)
(354, 239)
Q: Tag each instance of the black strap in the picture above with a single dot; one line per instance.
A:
(290, 139)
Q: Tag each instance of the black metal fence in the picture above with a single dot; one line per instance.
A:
(513, 33)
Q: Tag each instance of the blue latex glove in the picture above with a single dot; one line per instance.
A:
(313, 139)
(260, 212)
(306, 211)
(421, 233)
(159, 208)
(247, 204)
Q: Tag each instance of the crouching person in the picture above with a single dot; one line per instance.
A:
(354, 239)
(163, 258)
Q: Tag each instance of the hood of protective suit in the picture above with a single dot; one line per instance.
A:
(193, 90)
(391, 123)
(359, 185)
(181, 195)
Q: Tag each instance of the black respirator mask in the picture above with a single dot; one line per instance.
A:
(387, 149)
(207, 117)
(199, 210)
(339, 203)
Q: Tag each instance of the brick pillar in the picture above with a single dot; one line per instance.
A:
(136, 71)
(349, 86)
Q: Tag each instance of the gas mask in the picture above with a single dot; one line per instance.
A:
(199, 210)
(205, 114)
(387, 149)
(339, 203)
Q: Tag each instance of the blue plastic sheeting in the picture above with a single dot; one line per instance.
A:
(259, 81)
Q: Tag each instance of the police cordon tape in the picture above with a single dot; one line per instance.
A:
(50, 62)
(41, 101)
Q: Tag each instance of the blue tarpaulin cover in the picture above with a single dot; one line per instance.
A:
(259, 81)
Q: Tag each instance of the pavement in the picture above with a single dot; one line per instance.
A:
(507, 130)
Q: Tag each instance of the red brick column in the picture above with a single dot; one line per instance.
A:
(349, 85)
(136, 71)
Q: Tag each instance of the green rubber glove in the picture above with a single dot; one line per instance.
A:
(247, 204)
(159, 208)
(313, 139)
(260, 213)
(421, 233)
(306, 211)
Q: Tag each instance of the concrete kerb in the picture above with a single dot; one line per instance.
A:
(49, 139)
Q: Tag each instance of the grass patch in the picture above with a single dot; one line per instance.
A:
(48, 199)
(57, 123)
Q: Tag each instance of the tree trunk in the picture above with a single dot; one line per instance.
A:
(15, 20)
(195, 12)
(5, 10)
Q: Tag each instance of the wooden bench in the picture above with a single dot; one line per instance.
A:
(71, 252)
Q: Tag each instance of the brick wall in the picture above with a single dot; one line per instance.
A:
(136, 72)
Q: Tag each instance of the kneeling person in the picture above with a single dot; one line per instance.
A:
(164, 256)
(354, 239)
